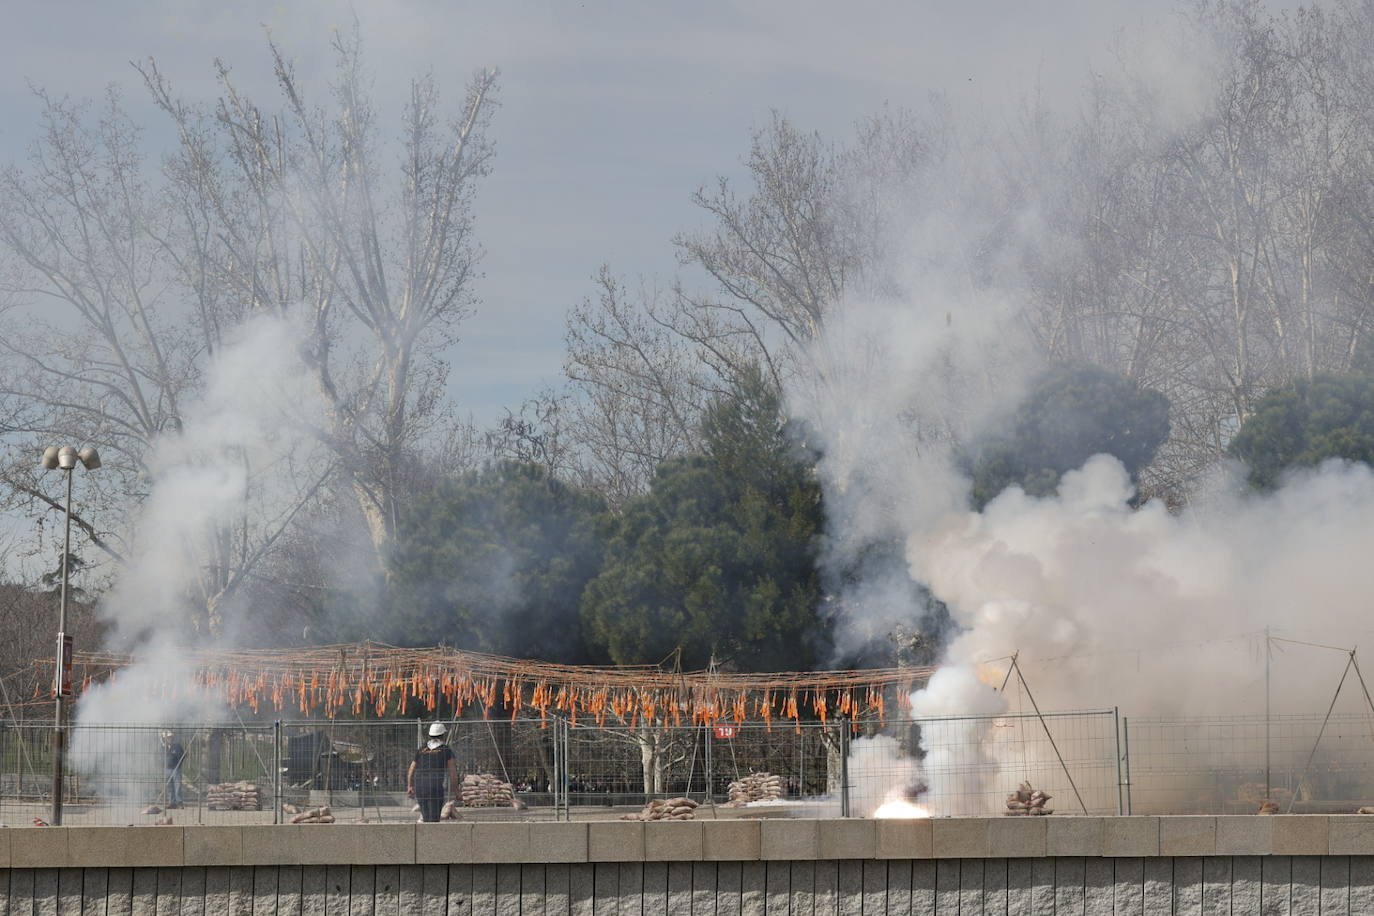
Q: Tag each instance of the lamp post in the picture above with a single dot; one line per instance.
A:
(65, 459)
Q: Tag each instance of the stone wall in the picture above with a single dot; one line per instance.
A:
(1084, 866)
(1083, 886)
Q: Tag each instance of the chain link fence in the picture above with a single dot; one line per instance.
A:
(234, 774)
(968, 765)
(1089, 762)
(1218, 765)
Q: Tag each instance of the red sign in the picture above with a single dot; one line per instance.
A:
(62, 677)
(725, 731)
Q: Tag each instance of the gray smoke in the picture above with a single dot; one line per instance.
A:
(1108, 604)
(237, 454)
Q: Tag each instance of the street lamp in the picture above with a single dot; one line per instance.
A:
(65, 459)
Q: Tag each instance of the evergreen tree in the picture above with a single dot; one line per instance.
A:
(719, 558)
(1068, 416)
(1303, 424)
(496, 561)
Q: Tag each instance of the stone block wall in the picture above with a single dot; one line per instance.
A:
(1078, 885)
(992, 867)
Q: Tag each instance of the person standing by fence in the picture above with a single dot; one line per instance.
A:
(426, 776)
(174, 755)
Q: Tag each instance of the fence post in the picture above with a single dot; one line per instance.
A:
(276, 772)
(556, 773)
(565, 771)
(555, 782)
(202, 748)
(1116, 733)
(1126, 752)
(844, 769)
(710, 772)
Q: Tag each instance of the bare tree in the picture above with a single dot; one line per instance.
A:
(90, 351)
(777, 257)
(284, 213)
(641, 387)
(1215, 254)
(813, 222)
(291, 211)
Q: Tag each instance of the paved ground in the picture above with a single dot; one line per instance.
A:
(395, 810)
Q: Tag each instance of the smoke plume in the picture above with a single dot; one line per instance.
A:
(1108, 603)
(238, 453)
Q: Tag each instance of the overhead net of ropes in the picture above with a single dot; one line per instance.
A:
(378, 680)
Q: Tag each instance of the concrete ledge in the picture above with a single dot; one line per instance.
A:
(1300, 835)
(1347, 835)
(673, 841)
(500, 842)
(299, 844)
(1245, 835)
(213, 846)
(731, 841)
(960, 837)
(443, 844)
(1188, 836)
(324, 844)
(556, 843)
(1018, 837)
(376, 844)
(734, 840)
(40, 847)
(1073, 836)
(154, 846)
(1130, 836)
(905, 838)
(789, 839)
(615, 841)
(848, 839)
(121, 847)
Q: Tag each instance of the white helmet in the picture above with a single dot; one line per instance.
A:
(437, 730)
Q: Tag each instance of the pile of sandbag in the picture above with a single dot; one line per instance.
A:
(450, 812)
(672, 809)
(320, 815)
(234, 796)
(1254, 793)
(483, 790)
(1027, 801)
(756, 787)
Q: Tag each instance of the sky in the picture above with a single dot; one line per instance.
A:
(611, 114)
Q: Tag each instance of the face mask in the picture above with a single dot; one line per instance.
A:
(434, 743)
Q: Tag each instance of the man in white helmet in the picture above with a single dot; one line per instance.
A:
(425, 778)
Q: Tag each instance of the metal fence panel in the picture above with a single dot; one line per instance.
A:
(1217, 765)
(969, 764)
(954, 766)
(359, 768)
(618, 770)
(116, 774)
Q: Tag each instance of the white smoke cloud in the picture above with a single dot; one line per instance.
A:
(1153, 611)
(889, 386)
(1108, 604)
(236, 458)
(880, 771)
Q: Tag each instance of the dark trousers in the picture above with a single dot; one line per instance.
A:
(174, 785)
(429, 793)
